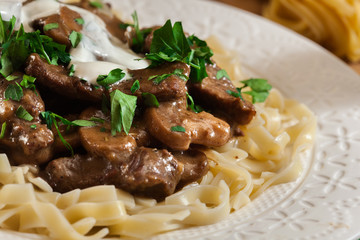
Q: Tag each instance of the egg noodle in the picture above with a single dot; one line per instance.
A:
(269, 153)
(335, 24)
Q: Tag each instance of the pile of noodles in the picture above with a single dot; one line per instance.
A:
(335, 24)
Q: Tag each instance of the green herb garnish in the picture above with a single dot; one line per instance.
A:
(51, 119)
(260, 89)
(23, 114)
(113, 77)
(170, 44)
(72, 70)
(14, 92)
(28, 82)
(96, 4)
(178, 129)
(80, 21)
(33, 126)
(50, 26)
(3, 130)
(222, 74)
(157, 79)
(150, 99)
(135, 86)
(75, 38)
(122, 111)
(191, 104)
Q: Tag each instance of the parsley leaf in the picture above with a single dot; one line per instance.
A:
(3, 130)
(23, 114)
(28, 82)
(150, 99)
(178, 129)
(51, 119)
(33, 126)
(191, 104)
(122, 111)
(80, 21)
(72, 70)
(96, 4)
(14, 92)
(135, 86)
(260, 89)
(50, 26)
(114, 76)
(170, 44)
(222, 74)
(75, 38)
(157, 79)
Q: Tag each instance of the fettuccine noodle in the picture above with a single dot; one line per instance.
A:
(335, 24)
(269, 153)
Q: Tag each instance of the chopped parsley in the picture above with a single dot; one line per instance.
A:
(140, 34)
(191, 104)
(178, 129)
(96, 4)
(113, 77)
(150, 99)
(75, 38)
(23, 114)
(260, 89)
(3, 130)
(14, 92)
(222, 74)
(122, 111)
(33, 126)
(11, 77)
(51, 119)
(72, 70)
(28, 82)
(80, 21)
(50, 26)
(157, 79)
(170, 44)
(135, 86)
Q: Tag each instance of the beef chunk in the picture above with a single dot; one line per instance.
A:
(57, 79)
(200, 128)
(195, 165)
(150, 172)
(66, 24)
(211, 93)
(170, 88)
(23, 142)
(147, 172)
(66, 174)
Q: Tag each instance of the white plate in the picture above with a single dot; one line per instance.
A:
(325, 202)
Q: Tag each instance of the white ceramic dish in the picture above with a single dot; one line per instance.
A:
(325, 202)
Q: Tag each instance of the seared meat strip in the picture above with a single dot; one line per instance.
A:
(200, 128)
(22, 141)
(170, 88)
(195, 163)
(57, 79)
(147, 172)
(211, 93)
(66, 22)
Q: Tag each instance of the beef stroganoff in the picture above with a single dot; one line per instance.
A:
(112, 130)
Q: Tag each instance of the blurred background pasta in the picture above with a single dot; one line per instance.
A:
(335, 24)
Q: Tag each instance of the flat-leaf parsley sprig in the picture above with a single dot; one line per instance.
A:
(170, 44)
(260, 89)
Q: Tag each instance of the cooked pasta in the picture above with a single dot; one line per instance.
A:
(269, 153)
(333, 23)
